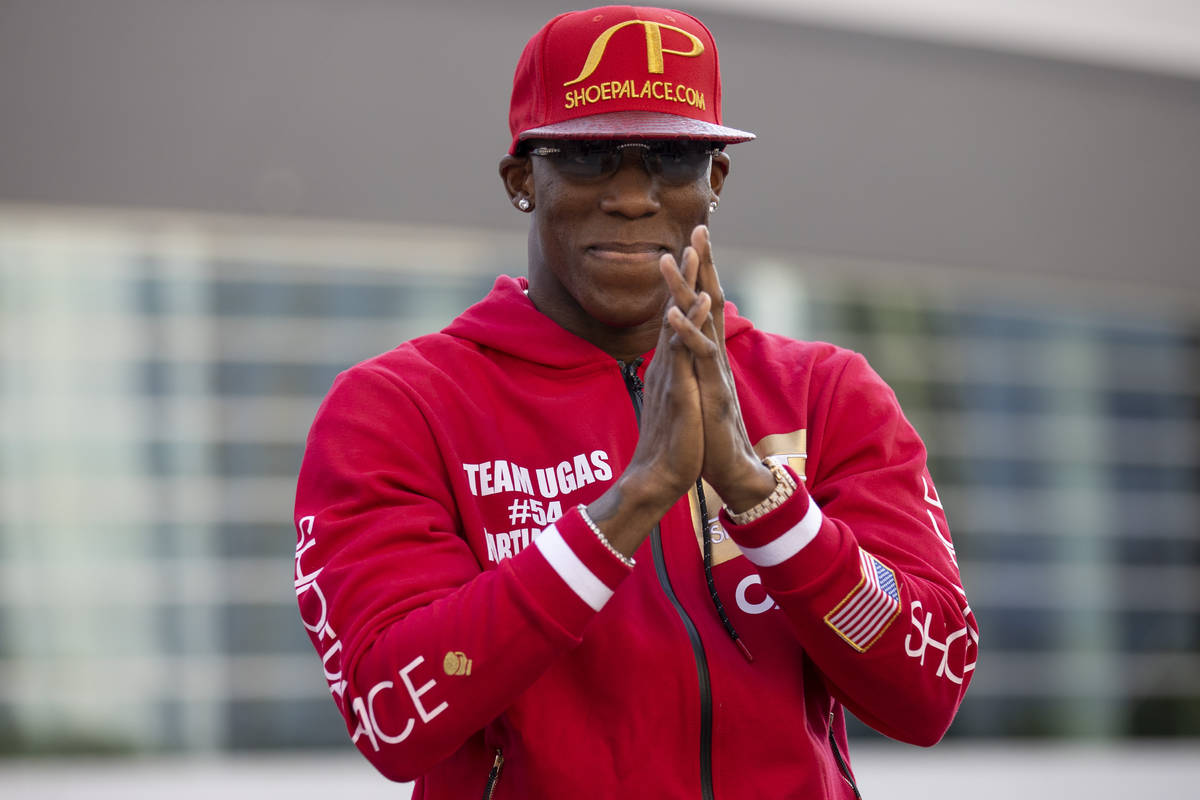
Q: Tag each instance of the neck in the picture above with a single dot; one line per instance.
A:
(624, 343)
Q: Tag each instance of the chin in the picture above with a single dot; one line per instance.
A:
(625, 309)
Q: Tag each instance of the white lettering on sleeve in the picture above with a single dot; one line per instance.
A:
(921, 629)
(320, 625)
(376, 689)
(415, 694)
(359, 710)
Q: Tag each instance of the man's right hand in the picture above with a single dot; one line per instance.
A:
(670, 448)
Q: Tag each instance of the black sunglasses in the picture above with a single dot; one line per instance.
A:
(674, 162)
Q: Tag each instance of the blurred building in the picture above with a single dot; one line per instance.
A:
(206, 213)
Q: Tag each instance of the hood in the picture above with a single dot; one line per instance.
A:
(506, 320)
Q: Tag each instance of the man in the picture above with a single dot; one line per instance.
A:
(600, 535)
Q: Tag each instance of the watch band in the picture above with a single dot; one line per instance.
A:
(784, 487)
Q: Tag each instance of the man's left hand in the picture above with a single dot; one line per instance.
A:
(731, 466)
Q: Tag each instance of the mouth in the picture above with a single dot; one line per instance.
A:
(627, 252)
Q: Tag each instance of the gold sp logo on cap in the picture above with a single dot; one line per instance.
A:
(654, 47)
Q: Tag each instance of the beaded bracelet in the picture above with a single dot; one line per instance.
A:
(626, 560)
(784, 486)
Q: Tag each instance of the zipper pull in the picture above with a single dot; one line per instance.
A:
(629, 373)
(494, 776)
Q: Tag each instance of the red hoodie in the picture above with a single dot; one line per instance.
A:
(477, 636)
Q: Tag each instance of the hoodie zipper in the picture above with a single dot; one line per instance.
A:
(634, 385)
(841, 762)
(489, 788)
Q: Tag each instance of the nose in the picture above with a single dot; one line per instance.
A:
(631, 191)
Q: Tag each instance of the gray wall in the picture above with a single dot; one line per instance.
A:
(396, 111)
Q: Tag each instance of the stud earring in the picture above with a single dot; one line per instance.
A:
(712, 207)
(524, 204)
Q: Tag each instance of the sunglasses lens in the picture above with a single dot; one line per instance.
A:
(588, 161)
(679, 164)
(673, 162)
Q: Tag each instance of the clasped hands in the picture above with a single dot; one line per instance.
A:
(691, 424)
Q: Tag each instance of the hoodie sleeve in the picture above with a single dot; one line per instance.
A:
(422, 647)
(861, 562)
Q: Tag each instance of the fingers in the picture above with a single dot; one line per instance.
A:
(707, 280)
(698, 273)
(696, 277)
(704, 334)
(681, 280)
(688, 327)
(680, 283)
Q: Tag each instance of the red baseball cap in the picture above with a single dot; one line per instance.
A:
(620, 72)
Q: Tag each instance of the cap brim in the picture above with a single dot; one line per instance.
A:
(637, 125)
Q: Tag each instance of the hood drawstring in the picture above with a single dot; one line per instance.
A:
(708, 574)
(635, 384)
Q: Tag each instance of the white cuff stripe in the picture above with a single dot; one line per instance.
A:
(574, 572)
(789, 543)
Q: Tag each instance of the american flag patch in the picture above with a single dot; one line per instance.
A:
(867, 611)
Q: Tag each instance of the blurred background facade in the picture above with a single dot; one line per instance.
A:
(207, 210)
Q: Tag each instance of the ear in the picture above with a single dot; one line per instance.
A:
(517, 174)
(719, 172)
